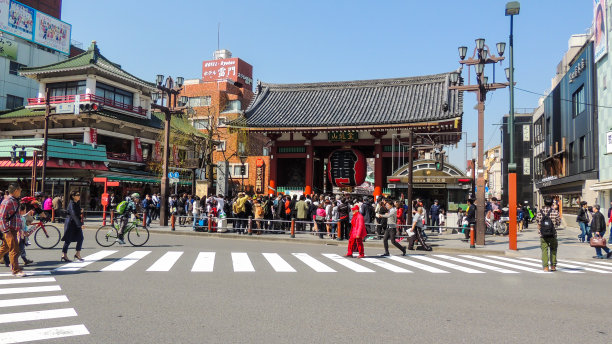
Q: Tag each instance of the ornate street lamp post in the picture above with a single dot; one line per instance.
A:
(480, 57)
(172, 92)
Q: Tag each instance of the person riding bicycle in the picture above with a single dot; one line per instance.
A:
(130, 208)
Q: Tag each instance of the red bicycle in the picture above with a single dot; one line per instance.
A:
(45, 236)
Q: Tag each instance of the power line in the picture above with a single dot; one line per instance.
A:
(566, 100)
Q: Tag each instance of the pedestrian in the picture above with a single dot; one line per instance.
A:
(301, 208)
(195, 212)
(390, 232)
(73, 228)
(583, 221)
(320, 217)
(415, 231)
(57, 208)
(258, 214)
(358, 232)
(434, 216)
(598, 229)
(343, 214)
(442, 217)
(10, 222)
(27, 208)
(470, 215)
(547, 219)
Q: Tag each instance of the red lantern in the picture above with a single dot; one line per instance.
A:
(346, 167)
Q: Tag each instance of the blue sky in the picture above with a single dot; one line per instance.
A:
(314, 41)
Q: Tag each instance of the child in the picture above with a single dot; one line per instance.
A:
(25, 230)
(442, 218)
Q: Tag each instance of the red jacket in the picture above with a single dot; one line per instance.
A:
(358, 226)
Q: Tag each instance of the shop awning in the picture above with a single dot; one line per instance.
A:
(139, 179)
(55, 163)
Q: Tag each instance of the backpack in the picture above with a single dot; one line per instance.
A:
(547, 228)
(121, 207)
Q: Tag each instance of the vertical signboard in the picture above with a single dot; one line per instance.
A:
(222, 178)
(228, 69)
(260, 177)
(600, 35)
(158, 156)
(138, 149)
(93, 135)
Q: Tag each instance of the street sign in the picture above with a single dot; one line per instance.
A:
(391, 186)
(112, 184)
(175, 175)
(77, 104)
(170, 174)
(64, 108)
(104, 199)
(99, 179)
(174, 180)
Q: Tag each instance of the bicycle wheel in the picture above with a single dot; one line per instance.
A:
(138, 236)
(106, 236)
(47, 237)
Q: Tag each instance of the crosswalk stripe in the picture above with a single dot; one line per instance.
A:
(7, 291)
(42, 333)
(75, 266)
(33, 301)
(569, 266)
(241, 262)
(347, 263)
(480, 265)
(204, 263)
(418, 265)
(386, 265)
(166, 262)
(27, 280)
(513, 266)
(569, 271)
(313, 263)
(126, 261)
(29, 273)
(605, 263)
(278, 263)
(595, 265)
(37, 315)
(448, 265)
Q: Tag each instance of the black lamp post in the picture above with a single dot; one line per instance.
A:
(172, 92)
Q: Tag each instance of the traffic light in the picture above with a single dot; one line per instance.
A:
(242, 170)
(88, 107)
(13, 155)
(22, 156)
(439, 161)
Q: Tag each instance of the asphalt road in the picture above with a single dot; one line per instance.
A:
(303, 306)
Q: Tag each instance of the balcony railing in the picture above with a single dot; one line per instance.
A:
(123, 157)
(89, 98)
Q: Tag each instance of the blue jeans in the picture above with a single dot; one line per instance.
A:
(586, 232)
(195, 220)
(598, 251)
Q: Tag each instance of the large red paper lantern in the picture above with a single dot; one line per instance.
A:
(346, 167)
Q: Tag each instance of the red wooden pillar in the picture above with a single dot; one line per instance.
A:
(378, 163)
(273, 163)
(309, 163)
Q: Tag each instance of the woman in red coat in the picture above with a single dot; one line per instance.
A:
(358, 232)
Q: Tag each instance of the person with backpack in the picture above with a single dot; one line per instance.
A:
(583, 220)
(598, 229)
(126, 209)
(547, 219)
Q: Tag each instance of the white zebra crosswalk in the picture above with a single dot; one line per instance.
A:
(16, 309)
(243, 262)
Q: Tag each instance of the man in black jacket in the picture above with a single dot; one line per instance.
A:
(583, 221)
(471, 218)
(598, 228)
(367, 212)
(345, 225)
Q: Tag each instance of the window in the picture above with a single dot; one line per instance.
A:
(221, 146)
(113, 93)
(13, 102)
(71, 88)
(571, 152)
(235, 170)
(583, 150)
(578, 101)
(200, 123)
(199, 101)
(233, 105)
(221, 121)
(14, 67)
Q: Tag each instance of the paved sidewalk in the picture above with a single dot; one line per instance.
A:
(528, 241)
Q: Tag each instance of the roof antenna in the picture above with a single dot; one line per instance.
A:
(218, 29)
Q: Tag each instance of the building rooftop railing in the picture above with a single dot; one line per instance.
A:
(92, 98)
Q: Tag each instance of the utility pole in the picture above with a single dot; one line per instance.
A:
(45, 140)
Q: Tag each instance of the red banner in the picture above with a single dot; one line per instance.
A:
(158, 156)
(138, 149)
(93, 135)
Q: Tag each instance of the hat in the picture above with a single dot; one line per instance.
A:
(355, 207)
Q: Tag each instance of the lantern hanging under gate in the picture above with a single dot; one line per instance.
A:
(346, 167)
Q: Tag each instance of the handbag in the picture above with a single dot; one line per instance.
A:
(598, 241)
(320, 218)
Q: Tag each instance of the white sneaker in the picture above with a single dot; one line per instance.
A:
(120, 241)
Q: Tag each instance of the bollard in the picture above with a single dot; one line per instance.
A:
(338, 231)
(209, 223)
(52, 215)
(172, 222)
(250, 228)
(144, 220)
(472, 245)
(293, 228)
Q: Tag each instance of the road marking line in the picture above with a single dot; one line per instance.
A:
(204, 263)
(42, 333)
(595, 265)
(27, 280)
(513, 266)
(75, 266)
(418, 265)
(538, 265)
(28, 273)
(7, 291)
(587, 268)
(313, 263)
(483, 266)
(605, 263)
(166, 262)
(448, 265)
(278, 263)
(37, 315)
(33, 301)
(347, 263)
(126, 261)
(241, 262)
(386, 265)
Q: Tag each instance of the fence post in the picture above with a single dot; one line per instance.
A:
(472, 245)
(250, 225)
(209, 223)
(172, 222)
(52, 215)
(339, 233)
(293, 227)
(144, 219)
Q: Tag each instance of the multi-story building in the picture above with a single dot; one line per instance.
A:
(100, 125)
(22, 45)
(522, 158)
(216, 99)
(569, 124)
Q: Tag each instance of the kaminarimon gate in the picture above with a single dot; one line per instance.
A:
(323, 136)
